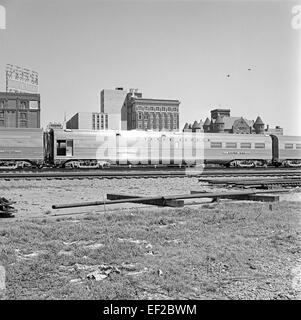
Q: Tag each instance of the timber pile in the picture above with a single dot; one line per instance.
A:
(255, 183)
(6, 208)
(177, 200)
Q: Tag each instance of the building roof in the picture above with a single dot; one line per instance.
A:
(196, 125)
(186, 126)
(207, 122)
(201, 123)
(146, 100)
(229, 121)
(258, 121)
(220, 110)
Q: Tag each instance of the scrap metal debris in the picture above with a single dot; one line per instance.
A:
(6, 208)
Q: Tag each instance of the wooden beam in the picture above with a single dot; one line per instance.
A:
(173, 197)
(158, 202)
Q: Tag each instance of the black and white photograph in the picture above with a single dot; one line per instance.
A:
(150, 151)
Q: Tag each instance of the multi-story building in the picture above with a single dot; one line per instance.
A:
(112, 103)
(19, 110)
(88, 121)
(222, 122)
(130, 111)
(152, 114)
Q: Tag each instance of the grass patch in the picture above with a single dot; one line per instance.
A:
(237, 250)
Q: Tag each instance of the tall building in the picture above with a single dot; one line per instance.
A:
(88, 121)
(130, 111)
(112, 103)
(152, 114)
(19, 110)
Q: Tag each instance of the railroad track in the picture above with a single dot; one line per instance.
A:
(159, 173)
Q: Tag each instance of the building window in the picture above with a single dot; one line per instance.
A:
(245, 145)
(1, 123)
(1, 104)
(288, 146)
(259, 145)
(231, 144)
(169, 108)
(215, 144)
(23, 105)
(64, 148)
(1, 114)
(139, 125)
(23, 124)
(139, 116)
(298, 146)
(157, 109)
(23, 116)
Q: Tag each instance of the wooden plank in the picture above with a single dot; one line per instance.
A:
(250, 197)
(173, 197)
(158, 202)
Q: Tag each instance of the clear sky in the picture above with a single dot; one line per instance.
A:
(168, 49)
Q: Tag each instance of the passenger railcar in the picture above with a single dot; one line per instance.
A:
(82, 148)
(21, 148)
(94, 149)
(237, 149)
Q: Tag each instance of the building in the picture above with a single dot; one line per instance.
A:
(112, 103)
(19, 110)
(151, 114)
(130, 111)
(222, 122)
(88, 121)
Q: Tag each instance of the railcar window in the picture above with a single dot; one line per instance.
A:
(288, 146)
(245, 145)
(231, 145)
(298, 146)
(61, 147)
(259, 145)
(215, 144)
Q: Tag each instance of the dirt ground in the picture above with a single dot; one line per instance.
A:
(225, 250)
(35, 197)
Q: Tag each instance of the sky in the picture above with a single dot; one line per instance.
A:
(168, 49)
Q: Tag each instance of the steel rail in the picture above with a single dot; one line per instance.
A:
(147, 174)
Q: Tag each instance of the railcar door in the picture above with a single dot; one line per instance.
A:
(275, 148)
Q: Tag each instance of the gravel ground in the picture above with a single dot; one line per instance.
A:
(35, 197)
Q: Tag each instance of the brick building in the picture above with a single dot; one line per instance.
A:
(19, 110)
(151, 114)
(130, 111)
(222, 122)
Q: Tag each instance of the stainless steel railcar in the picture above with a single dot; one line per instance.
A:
(79, 148)
(21, 148)
(286, 150)
(237, 149)
(82, 148)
